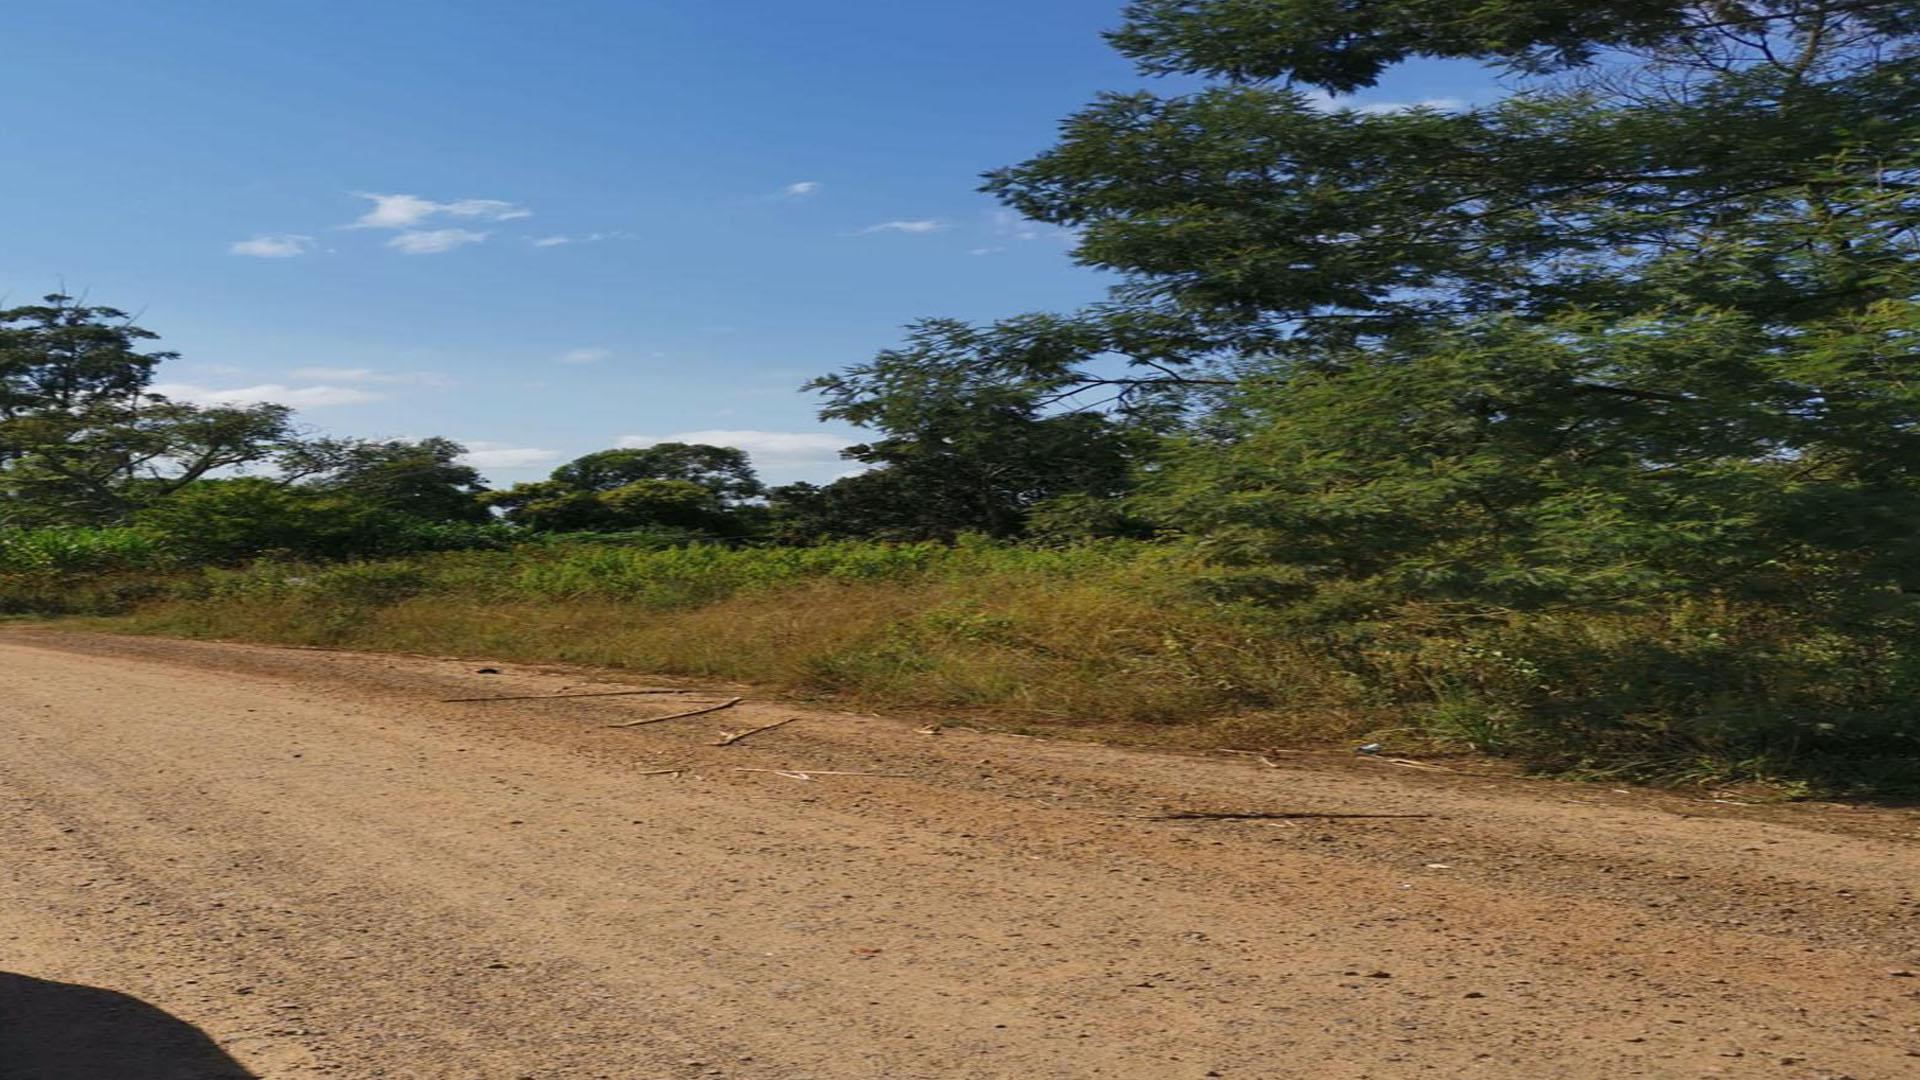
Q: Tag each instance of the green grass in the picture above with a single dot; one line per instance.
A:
(1125, 639)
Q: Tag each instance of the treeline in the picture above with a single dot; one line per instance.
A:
(1596, 405)
(84, 442)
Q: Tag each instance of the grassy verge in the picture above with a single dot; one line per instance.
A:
(1118, 637)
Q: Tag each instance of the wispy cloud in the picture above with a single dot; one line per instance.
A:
(434, 241)
(371, 376)
(583, 238)
(802, 189)
(1326, 102)
(1010, 228)
(299, 397)
(274, 246)
(1439, 104)
(407, 211)
(493, 455)
(592, 355)
(919, 227)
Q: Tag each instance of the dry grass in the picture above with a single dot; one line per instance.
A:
(1010, 648)
(1128, 641)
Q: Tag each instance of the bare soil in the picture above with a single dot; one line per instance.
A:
(229, 860)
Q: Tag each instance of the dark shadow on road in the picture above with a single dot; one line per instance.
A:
(61, 1031)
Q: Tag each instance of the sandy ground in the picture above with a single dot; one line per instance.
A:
(223, 860)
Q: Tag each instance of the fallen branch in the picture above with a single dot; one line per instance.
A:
(808, 774)
(730, 738)
(549, 697)
(1261, 758)
(662, 772)
(1404, 763)
(680, 715)
(1202, 815)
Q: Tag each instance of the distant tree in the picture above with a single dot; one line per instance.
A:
(224, 519)
(977, 427)
(425, 479)
(871, 505)
(81, 437)
(62, 356)
(84, 440)
(723, 470)
(669, 485)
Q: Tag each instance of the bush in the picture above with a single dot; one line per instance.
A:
(77, 549)
(1123, 636)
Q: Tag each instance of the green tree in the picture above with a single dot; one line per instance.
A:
(723, 470)
(978, 427)
(1643, 325)
(225, 519)
(673, 486)
(81, 438)
(1755, 155)
(424, 478)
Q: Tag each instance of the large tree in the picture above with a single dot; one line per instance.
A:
(81, 437)
(692, 487)
(977, 428)
(1642, 324)
(424, 478)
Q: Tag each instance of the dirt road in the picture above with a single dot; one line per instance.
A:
(230, 860)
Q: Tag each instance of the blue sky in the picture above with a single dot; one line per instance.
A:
(546, 229)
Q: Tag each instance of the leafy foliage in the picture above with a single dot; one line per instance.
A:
(722, 470)
(424, 479)
(974, 435)
(81, 439)
(669, 485)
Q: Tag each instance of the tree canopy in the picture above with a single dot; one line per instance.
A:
(1641, 325)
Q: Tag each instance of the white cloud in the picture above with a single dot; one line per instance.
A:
(802, 189)
(1009, 226)
(493, 455)
(1326, 102)
(584, 238)
(986, 251)
(275, 246)
(299, 397)
(584, 356)
(407, 211)
(1441, 104)
(434, 241)
(919, 227)
(369, 375)
(779, 456)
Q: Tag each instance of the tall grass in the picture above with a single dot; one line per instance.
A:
(73, 550)
(1116, 637)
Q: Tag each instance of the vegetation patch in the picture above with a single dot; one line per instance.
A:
(1579, 425)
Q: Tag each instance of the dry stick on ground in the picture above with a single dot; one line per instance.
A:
(1262, 758)
(1201, 815)
(1403, 762)
(548, 697)
(662, 772)
(729, 739)
(808, 774)
(680, 715)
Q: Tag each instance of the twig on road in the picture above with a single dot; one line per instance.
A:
(680, 715)
(730, 738)
(551, 697)
(1404, 763)
(808, 774)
